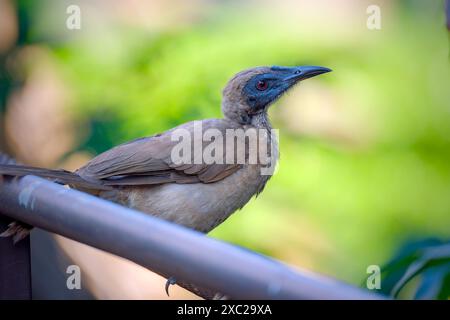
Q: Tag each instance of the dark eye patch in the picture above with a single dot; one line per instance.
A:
(261, 90)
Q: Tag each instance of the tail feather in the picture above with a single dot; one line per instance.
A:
(8, 167)
(59, 176)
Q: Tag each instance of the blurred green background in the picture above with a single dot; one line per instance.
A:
(365, 150)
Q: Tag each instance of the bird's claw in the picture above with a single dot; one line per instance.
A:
(15, 230)
(170, 281)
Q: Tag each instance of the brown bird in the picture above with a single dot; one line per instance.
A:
(143, 174)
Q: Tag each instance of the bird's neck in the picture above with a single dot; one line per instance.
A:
(261, 120)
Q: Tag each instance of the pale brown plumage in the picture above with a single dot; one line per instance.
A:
(147, 161)
(142, 175)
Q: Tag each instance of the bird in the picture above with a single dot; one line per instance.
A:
(142, 174)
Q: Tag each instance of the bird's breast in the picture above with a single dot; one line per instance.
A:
(200, 206)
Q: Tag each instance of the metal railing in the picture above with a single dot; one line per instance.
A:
(201, 264)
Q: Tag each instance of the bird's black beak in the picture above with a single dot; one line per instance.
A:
(305, 72)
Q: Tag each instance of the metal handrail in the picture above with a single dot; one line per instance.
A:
(163, 247)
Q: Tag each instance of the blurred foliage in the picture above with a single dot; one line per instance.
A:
(427, 261)
(333, 206)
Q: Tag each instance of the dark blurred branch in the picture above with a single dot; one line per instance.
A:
(163, 247)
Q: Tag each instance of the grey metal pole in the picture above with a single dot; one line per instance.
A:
(163, 247)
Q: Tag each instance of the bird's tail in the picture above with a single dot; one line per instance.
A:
(56, 175)
(60, 176)
(9, 168)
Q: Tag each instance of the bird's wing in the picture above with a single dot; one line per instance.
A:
(148, 161)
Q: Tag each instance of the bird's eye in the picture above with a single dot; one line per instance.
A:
(261, 85)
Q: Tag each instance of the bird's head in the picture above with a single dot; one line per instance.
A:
(252, 91)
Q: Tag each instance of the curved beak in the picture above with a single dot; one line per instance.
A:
(305, 72)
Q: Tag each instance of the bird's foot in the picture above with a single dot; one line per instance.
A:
(220, 296)
(170, 281)
(15, 230)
